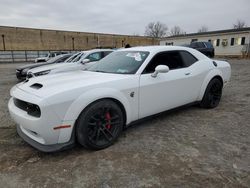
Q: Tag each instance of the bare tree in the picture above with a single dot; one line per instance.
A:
(239, 24)
(176, 30)
(156, 30)
(203, 29)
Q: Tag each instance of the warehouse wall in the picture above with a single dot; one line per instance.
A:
(16, 38)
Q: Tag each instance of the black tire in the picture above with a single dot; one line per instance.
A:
(212, 55)
(99, 125)
(212, 95)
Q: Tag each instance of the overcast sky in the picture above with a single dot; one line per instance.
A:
(123, 16)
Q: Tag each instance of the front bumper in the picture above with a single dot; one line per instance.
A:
(45, 148)
(39, 132)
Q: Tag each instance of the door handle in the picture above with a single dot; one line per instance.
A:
(187, 73)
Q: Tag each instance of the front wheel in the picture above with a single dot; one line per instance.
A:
(99, 125)
(212, 95)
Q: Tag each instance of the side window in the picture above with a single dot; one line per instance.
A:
(172, 59)
(94, 57)
(187, 58)
(105, 53)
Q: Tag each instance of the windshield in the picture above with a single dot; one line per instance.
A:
(76, 59)
(53, 59)
(72, 57)
(120, 62)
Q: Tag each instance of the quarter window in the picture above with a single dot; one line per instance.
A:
(105, 53)
(187, 58)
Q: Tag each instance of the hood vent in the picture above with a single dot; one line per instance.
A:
(36, 86)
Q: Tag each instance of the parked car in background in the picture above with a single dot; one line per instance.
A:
(93, 106)
(79, 61)
(48, 56)
(204, 47)
(21, 72)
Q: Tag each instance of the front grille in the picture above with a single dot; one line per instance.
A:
(31, 109)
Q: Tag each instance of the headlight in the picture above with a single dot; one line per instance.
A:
(42, 73)
(31, 109)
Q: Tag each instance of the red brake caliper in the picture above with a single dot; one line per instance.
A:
(108, 118)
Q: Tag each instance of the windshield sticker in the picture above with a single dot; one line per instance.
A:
(122, 71)
(136, 55)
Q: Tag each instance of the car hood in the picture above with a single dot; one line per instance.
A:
(50, 67)
(33, 65)
(74, 81)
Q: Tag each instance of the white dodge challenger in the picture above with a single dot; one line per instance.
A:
(93, 106)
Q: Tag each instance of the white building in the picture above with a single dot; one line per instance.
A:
(232, 42)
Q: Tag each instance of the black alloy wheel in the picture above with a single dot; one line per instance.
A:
(100, 125)
(213, 93)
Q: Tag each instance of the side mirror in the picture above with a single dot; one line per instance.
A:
(85, 61)
(160, 69)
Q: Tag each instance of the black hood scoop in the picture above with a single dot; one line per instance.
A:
(36, 86)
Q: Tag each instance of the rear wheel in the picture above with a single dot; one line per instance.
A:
(213, 93)
(99, 125)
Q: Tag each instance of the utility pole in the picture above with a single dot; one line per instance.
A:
(3, 43)
(248, 46)
(98, 41)
(73, 43)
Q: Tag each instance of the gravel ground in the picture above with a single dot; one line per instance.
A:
(191, 147)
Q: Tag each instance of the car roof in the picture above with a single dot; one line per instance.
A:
(154, 48)
(158, 49)
(96, 50)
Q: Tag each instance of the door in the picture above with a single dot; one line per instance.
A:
(168, 90)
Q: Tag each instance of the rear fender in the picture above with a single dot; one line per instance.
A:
(208, 78)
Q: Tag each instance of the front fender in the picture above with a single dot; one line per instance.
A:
(93, 95)
(210, 76)
(83, 101)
